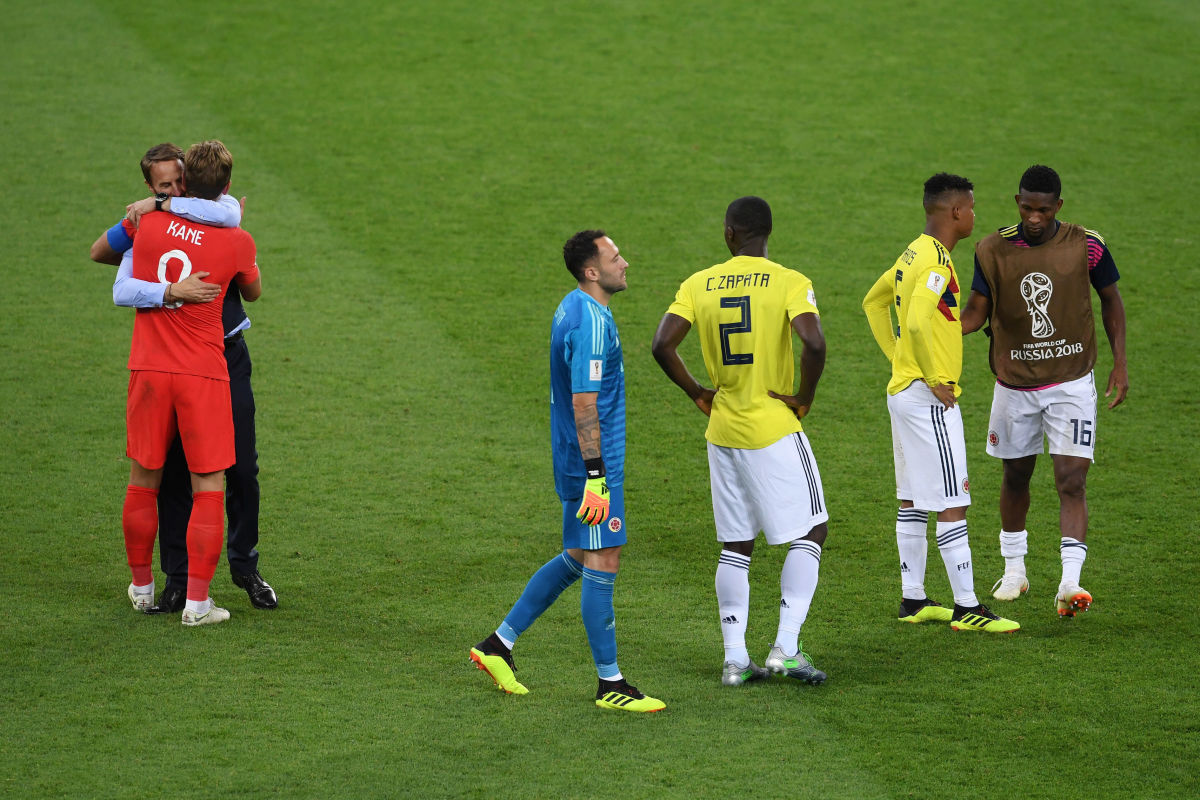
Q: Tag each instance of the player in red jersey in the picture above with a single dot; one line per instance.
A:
(179, 381)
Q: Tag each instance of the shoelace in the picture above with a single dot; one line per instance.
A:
(626, 689)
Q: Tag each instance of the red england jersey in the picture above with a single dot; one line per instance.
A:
(188, 339)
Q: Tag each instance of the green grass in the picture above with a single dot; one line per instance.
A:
(412, 171)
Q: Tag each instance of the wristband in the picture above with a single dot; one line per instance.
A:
(594, 467)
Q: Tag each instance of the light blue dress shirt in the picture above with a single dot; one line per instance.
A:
(128, 291)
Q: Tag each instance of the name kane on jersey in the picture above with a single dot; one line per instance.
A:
(181, 231)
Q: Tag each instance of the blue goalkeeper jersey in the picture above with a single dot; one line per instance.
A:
(585, 356)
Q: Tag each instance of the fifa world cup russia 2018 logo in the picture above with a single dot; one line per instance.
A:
(1036, 289)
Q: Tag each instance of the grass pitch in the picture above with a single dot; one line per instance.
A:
(412, 171)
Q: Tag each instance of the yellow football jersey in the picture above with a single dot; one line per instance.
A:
(923, 288)
(743, 311)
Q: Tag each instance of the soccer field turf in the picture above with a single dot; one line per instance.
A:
(412, 171)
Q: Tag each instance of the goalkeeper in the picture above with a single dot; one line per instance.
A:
(587, 421)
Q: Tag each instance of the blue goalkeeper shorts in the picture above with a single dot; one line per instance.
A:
(610, 533)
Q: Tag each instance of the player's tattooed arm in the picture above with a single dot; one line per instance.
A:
(587, 424)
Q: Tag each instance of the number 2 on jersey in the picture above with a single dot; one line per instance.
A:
(741, 326)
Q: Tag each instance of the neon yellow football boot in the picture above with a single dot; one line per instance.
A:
(500, 667)
(619, 695)
(923, 611)
(980, 619)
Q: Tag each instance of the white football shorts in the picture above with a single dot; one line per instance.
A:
(1064, 414)
(929, 450)
(775, 489)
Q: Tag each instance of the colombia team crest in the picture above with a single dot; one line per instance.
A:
(993, 439)
(614, 524)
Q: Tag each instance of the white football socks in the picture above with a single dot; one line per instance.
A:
(913, 545)
(733, 603)
(797, 584)
(1073, 552)
(956, 555)
(1013, 546)
(199, 606)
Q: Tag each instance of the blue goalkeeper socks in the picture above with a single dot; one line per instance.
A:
(596, 607)
(540, 593)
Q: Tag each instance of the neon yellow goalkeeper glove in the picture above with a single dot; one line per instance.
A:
(594, 508)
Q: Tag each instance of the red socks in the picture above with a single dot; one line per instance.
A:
(205, 537)
(139, 520)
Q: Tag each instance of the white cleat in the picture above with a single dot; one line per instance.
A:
(1011, 586)
(141, 602)
(1072, 599)
(214, 615)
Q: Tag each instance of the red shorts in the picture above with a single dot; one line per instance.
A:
(162, 404)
